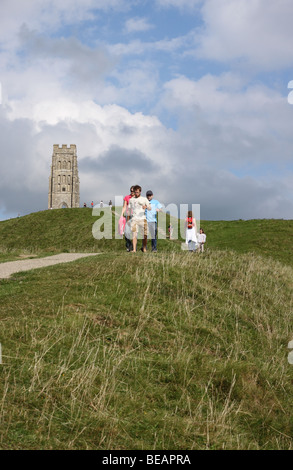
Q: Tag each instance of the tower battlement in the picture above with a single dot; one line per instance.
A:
(64, 149)
(63, 146)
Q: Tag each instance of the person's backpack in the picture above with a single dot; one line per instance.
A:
(189, 222)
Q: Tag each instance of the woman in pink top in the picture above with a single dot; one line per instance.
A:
(125, 213)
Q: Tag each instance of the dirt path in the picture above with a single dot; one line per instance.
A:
(11, 267)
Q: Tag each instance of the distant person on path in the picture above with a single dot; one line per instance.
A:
(151, 217)
(84, 204)
(170, 231)
(101, 204)
(191, 239)
(137, 205)
(126, 213)
(92, 204)
(201, 240)
(110, 204)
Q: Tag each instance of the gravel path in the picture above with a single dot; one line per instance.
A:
(11, 267)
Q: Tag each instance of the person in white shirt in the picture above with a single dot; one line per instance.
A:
(201, 240)
(137, 205)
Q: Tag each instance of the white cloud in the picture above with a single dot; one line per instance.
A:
(226, 100)
(225, 127)
(138, 47)
(134, 25)
(181, 4)
(233, 141)
(69, 55)
(117, 148)
(258, 31)
(49, 15)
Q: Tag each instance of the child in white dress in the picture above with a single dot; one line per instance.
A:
(201, 240)
(191, 238)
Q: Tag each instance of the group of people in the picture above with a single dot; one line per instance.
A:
(101, 204)
(139, 214)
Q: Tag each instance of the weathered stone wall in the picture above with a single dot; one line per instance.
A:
(63, 180)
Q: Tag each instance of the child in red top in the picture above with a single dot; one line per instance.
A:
(191, 239)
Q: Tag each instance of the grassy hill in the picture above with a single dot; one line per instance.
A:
(55, 231)
(267, 237)
(166, 351)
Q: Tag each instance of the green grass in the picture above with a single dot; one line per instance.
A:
(54, 231)
(267, 237)
(132, 351)
(144, 352)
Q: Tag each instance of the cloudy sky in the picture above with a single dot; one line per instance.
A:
(188, 98)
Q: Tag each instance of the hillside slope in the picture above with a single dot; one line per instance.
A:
(165, 351)
(267, 237)
(173, 351)
(54, 231)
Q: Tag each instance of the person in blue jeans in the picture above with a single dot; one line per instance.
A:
(151, 217)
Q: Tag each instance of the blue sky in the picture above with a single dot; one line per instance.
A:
(188, 98)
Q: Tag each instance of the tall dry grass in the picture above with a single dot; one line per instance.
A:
(174, 351)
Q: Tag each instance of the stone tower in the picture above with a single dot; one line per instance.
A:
(63, 180)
